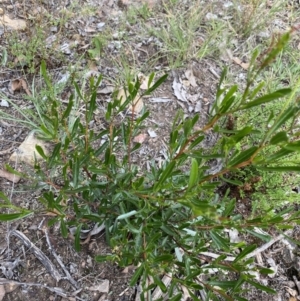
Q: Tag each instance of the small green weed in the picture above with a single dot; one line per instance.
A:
(250, 16)
(181, 36)
(28, 53)
(99, 42)
(135, 14)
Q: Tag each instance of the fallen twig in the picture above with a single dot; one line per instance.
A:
(57, 290)
(39, 254)
(255, 252)
(4, 152)
(69, 277)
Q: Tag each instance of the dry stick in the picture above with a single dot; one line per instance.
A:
(7, 151)
(8, 225)
(297, 283)
(57, 290)
(69, 277)
(38, 253)
(268, 244)
(255, 252)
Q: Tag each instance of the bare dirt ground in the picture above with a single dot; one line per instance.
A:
(79, 276)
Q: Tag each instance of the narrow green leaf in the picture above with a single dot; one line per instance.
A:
(101, 258)
(63, 228)
(13, 216)
(67, 111)
(261, 287)
(93, 217)
(55, 154)
(267, 98)
(193, 173)
(232, 181)
(176, 298)
(223, 284)
(280, 168)
(229, 208)
(13, 171)
(293, 146)
(136, 146)
(163, 258)
(77, 238)
(156, 84)
(46, 132)
(4, 197)
(165, 174)
(151, 77)
(278, 155)
(220, 242)
(259, 235)
(256, 90)
(4, 57)
(285, 116)
(107, 157)
(40, 151)
(219, 89)
(279, 137)
(243, 156)
(276, 49)
(99, 80)
(161, 285)
(91, 107)
(75, 171)
(265, 271)
(126, 215)
(228, 99)
(75, 126)
(242, 133)
(195, 142)
(45, 75)
(78, 90)
(136, 275)
(247, 250)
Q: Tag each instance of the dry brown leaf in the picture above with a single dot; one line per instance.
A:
(92, 66)
(140, 138)
(16, 24)
(7, 286)
(136, 105)
(9, 176)
(102, 287)
(179, 90)
(144, 81)
(245, 66)
(191, 78)
(17, 84)
(292, 292)
(25, 87)
(90, 29)
(103, 298)
(26, 151)
(2, 292)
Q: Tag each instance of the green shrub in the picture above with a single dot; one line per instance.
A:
(165, 219)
